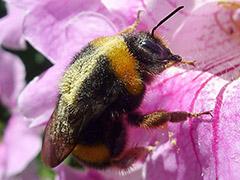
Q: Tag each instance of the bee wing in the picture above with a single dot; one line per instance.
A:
(58, 141)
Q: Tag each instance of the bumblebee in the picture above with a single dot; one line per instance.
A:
(105, 82)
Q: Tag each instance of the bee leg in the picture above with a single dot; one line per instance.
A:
(159, 118)
(133, 27)
(190, 63)
(130, 156)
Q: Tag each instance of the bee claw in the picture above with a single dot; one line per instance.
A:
(191, 63)
(195, 115)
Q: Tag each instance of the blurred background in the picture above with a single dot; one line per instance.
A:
(34, 63)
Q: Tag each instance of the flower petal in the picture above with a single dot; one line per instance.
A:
(163, 160)
(204, 37)
(65, 173)
(115, 5)
(127, 13)
(65, 28)
(156, 11)
(25, 4)
(2, 160)
(11, 28)
(21, 146)
(12, 78)
(226, 134)
(41, 93)
(40, 120)
(189, 154)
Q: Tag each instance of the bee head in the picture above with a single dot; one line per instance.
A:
(151, 53)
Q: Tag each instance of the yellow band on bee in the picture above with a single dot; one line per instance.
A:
(92, 154)
(122, 62)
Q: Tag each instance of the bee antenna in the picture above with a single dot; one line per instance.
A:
(166, 18)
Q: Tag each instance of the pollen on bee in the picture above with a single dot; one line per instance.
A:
(74, 78)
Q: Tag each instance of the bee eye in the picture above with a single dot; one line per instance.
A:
(151, 46)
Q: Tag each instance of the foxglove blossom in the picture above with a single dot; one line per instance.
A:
(12, 24)
(203, 148)
(11, 78)
(210, 146)
(19, 144)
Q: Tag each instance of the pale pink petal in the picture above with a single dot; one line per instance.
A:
(205, 38)
(60, 29)
(66, 173)
(40, 95)
(25, 4)
(199, 3)
(127, 10)
(124, 5)
(156, 10)
(12, 78)
(11, 28)
(21, 145)
(2, 159)
(40, 120)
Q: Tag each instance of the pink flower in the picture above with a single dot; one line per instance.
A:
(11, 32)
(205, 32)
(19, 144)
(11, 79)
(65, 172)
(203, 149)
